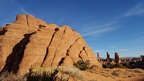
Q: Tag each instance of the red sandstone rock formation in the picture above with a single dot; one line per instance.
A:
(108, 59)
(117, 59)
(98, 57)
(30, 43)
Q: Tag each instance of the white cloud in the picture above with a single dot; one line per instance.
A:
(112, 46)
(136, 10)
(98, 29)
(20, 6)
(122, 50)
(61, 20)
(99, 51)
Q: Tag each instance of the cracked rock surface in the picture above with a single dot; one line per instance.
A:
(30, 43)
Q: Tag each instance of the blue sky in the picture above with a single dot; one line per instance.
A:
(106, 25)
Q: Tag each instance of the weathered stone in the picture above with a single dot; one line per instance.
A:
(66, 61)
(31, 43)
(36, 49)
(142, 58)
(75, 53)
(117, 59)
(64, 44)
(91, 56)
(83, 55)
(21, 19)
(108, 59)
(98, 56)
(30, 22)
(9, 43)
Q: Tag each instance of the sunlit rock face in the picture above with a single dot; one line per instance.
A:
(30, 43)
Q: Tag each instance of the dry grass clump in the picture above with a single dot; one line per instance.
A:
(43, 71)
(138, 70)
(116, 72)
(11, 77)
(61, 77)
(129, 76)
(41, 74)
(107, 75)
(60, 73)
(70, 71)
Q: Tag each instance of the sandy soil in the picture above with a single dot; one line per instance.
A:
(116, 74)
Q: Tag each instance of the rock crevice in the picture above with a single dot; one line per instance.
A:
(30, 43)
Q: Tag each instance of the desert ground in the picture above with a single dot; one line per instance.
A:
(116, 74)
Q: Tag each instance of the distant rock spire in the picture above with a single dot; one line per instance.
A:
(108, 57)
(142, 58)
(98, 56)
(117, 59)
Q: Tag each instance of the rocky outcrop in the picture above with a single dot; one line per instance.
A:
(30, 43)
(117, 59)
(108, 59)
(142, 58)
(98, 57)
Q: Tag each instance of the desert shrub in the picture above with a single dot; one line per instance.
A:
(131, 63)
(61, 77)
(116, 73)
(126, 64)
(3, 75)
(41, 74)
(11, 77)
(70, 71)
(110, 66)
(118, 65)
(138, 70)
(60, 73)
(82, 65)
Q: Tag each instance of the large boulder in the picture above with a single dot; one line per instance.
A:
(30, 43)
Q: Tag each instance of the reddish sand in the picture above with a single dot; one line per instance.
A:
(116, 74)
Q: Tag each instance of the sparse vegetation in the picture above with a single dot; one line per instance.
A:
(138, 70)
(11, 77)
(66, 72)
(83, 65)
(118, 65)
(116, 73)
(41, 74)
(60, 73)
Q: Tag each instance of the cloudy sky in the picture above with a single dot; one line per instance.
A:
(106, 25)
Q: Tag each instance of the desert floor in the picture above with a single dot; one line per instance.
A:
(116, 74)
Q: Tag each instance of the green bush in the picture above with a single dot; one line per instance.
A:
(82, 65)
(126, 64)
(41, 74)
(118, 65)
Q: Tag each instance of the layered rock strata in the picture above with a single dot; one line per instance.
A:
(30, 43)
